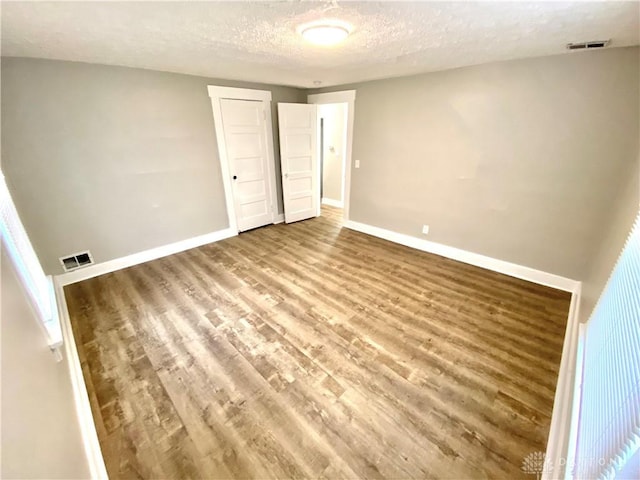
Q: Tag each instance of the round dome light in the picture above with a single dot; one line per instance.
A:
(325, 33)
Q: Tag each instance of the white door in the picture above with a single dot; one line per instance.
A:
(299, 161)
(243, 122)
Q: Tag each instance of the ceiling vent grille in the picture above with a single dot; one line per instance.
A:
(77, 260)
(588, 45)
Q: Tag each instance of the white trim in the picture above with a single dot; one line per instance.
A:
(561, 435)
(572, 436)
(500, 266)
(349, 97)
(319, 180)
(88, 431)
(52, 326)
(332, 203)
(141, 257)
(279, 218)
(217, 93)
(271, 161)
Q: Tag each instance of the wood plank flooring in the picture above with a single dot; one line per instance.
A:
(311, 351)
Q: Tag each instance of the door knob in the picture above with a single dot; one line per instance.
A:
(235, 177)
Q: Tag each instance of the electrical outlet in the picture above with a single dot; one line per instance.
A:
(425, 229)
(357, 163)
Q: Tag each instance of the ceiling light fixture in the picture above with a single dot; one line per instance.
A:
(325, 33)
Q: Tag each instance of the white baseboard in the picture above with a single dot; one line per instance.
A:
(87, 425)
(279, 218)
(500, 266)
(141, 257)
(332, 203)
(562, 432)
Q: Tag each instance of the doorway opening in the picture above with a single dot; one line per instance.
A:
(333, 150)
(335, 134)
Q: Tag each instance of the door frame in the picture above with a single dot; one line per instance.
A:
(217, 93)
(348, 97)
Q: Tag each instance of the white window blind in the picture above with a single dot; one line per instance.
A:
(38, 286)
(609, 415)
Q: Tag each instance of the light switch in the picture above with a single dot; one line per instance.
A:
(357, 163)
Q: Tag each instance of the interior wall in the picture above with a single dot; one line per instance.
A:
(111, 159)
(40, 434)
(333, 149)
(519, 160)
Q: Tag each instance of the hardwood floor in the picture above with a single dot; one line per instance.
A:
(310, 351)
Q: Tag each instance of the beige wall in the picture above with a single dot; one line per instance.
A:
(40, 435)
(518, 160)
(333, 146)
(110, 159)
(614, 232)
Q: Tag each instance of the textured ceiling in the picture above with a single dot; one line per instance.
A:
(257, 41)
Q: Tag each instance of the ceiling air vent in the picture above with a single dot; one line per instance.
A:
(76, 260)
(588, 45)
